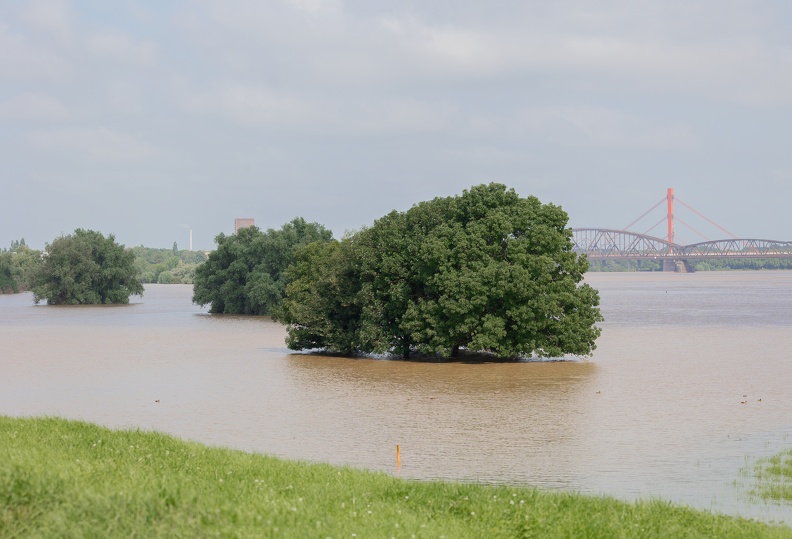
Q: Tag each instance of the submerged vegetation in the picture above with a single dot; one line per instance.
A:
(73, 479)
(484, 271)
(85, 267)
(773, 477)
(16, 267)
(246, 274)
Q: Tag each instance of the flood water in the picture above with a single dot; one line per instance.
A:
(690, 383)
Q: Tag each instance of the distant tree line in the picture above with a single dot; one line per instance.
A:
(624, 265)
(742, 264)
(718, 264)
(69, 268)
(167, 266)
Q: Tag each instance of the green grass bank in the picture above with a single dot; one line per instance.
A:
(63, 478)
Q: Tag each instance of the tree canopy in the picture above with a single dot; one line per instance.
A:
(16, 267)
(484, 271)
(86, 267)
(246, 273)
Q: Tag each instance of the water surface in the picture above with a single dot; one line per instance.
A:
(689, 384)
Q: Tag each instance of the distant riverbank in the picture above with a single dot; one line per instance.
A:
(694, 265)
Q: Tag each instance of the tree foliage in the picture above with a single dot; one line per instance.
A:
(16, 267)
(166, 267)
(86, 267)
(245, 274)
(321, 305)
(484, 271)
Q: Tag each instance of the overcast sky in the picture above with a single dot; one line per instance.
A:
(145, 118)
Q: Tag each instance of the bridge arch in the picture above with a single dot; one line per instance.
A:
(605, 243)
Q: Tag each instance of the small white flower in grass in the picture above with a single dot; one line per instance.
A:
(473, 513)
(522, 502)
(511, 502)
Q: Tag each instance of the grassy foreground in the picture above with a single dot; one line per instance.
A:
(71, 479)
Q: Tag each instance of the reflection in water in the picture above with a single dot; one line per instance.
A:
(486, 422)
(656, 412)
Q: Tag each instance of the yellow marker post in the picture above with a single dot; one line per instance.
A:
(398, 456)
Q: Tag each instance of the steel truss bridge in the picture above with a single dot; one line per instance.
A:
(609, 244)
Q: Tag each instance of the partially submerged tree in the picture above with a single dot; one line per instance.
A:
(86, 267)
(323, 296)
(17, 266)
(245, 274)
(484, 271)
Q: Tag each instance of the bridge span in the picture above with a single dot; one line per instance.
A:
(610, 244)
(600, 244)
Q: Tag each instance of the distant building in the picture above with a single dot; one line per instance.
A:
(243, 223)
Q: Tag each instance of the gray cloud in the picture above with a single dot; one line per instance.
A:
(134, 116)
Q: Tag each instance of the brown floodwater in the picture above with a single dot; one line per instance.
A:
(690, 383)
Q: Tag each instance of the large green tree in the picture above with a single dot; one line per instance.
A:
(86, 267)
(246, 273)
(484, 271)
